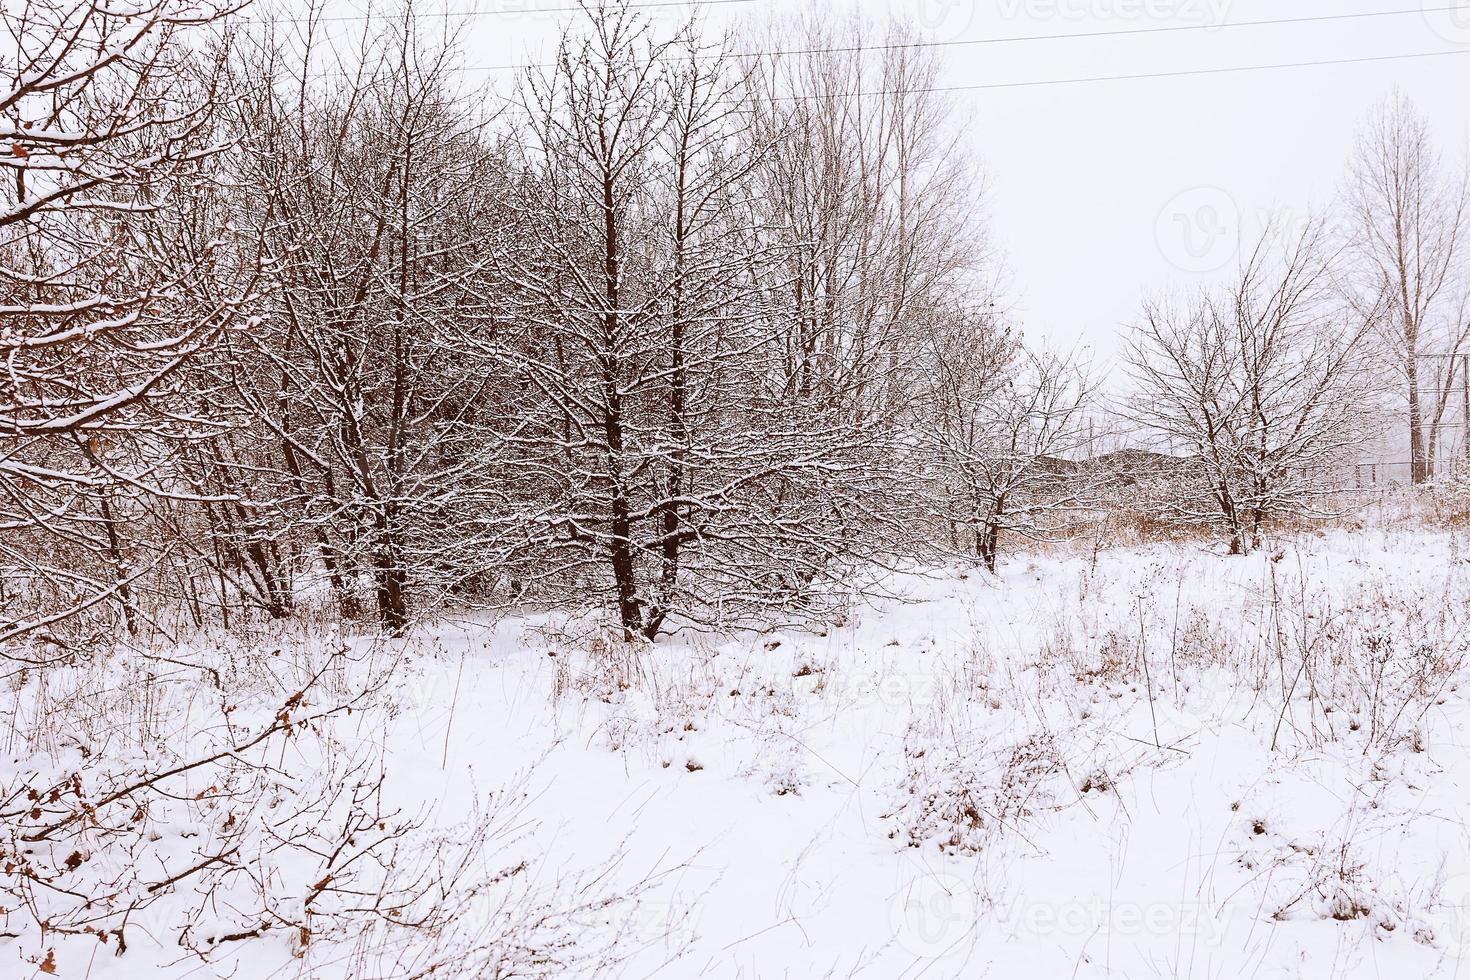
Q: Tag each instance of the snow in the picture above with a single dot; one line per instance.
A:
(979, 781)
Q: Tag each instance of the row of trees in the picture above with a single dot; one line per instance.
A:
(687, 333)
(1275, 378)
(684, 333)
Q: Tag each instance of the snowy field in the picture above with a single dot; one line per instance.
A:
(700, 489)
(1154, 761)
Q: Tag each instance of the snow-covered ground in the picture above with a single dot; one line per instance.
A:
(1149, 762)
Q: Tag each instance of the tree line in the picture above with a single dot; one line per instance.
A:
(679, 330)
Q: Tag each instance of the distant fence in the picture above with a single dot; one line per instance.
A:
(1375, 473)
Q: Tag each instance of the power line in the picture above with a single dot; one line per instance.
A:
(978, 41)
(1021, 38)
(916, 45)
(1088, 79)
(1187, 72)
(367, 16)
(1125, 78)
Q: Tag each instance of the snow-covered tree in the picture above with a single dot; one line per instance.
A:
(1003, 424)
(1263, 379)
(666, 451)
(373, 191)
(1410, 221)
(108, 289)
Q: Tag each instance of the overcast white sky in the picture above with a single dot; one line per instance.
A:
(1100, 192)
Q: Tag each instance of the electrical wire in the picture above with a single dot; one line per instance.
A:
(1023, 38)
(367, 16)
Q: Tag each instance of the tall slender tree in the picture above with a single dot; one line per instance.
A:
(1410, 217)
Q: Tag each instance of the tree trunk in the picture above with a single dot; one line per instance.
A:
(988, 545)
(114, 547)
(620, 550)
(1418, 459)
(987, 540)
(390, 579)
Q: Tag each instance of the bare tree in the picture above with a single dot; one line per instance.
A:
(373, 189)
(664, 460)
(1263, 380)
(1410, 222)
(1003, 424)
(663, 346)
(108, 290)
(866, 189)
